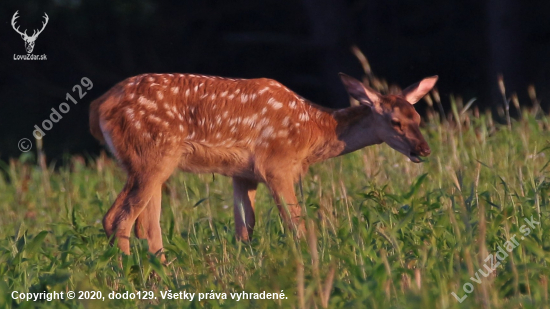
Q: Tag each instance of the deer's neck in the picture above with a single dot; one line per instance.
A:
(348, 130)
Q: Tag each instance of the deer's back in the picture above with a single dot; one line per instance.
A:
(220, 125)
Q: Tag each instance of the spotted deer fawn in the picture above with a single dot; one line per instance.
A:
(253, 130)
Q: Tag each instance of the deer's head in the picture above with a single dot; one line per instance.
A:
(396, 122)
(29, 40)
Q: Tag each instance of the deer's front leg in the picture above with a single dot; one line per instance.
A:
(244, 193)
(282, 189)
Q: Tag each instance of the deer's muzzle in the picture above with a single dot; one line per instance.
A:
(423, 149)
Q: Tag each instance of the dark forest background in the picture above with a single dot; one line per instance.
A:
(301, 43)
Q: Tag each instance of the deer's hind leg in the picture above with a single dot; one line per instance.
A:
(148, 224)
(244, 193)
(142, 191)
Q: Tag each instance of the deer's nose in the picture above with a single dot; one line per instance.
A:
(423, 149)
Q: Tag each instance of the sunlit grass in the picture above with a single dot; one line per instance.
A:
(382, 232)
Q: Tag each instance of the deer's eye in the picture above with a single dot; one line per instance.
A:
(396, 123)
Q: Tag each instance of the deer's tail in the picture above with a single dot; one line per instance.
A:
(95, 129)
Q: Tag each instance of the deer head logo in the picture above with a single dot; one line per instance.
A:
(29, 40)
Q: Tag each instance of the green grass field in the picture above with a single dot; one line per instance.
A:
(382, 232)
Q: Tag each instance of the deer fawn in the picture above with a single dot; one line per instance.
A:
(254, 130)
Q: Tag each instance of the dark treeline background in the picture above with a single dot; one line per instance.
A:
(302, 43)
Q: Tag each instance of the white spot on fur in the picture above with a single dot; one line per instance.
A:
(187, 92)
(292, 104)
(196, 88)
(223, 94)
(282, 133)
(170, 114)
(267, 132)
(175, 90)
(250, 120)
(264, 110)
(181, 127)
(130, 113)
(304, 116)
(147, 103)
(150, 79)
(286, 121)
(231, 96)
(244, 98)
(263, 90)
(131, 95)
(264, 122)
(213, 97)
(154, 119)
(276, 104)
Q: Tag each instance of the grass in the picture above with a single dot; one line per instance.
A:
(382, 232)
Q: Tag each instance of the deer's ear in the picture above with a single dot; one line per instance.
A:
(417, 91)
(360, 92)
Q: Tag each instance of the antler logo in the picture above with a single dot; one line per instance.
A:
(29, 40)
